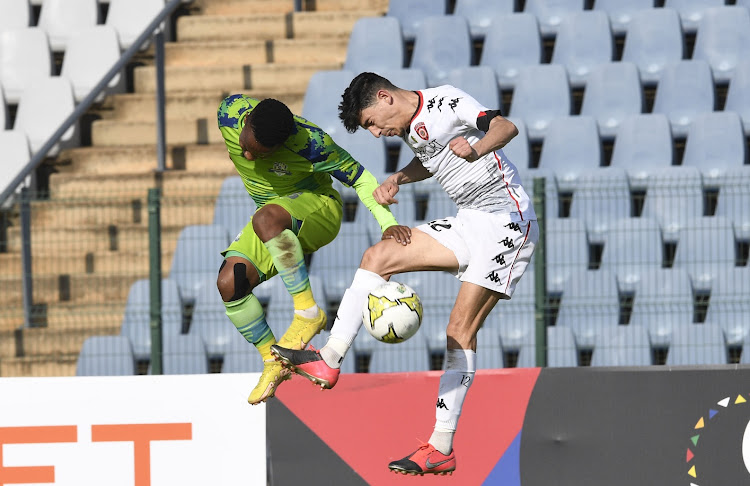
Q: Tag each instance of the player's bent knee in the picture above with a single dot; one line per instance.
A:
(375, 256)
(233, 283)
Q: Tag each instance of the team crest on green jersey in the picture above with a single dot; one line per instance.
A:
(280, 169)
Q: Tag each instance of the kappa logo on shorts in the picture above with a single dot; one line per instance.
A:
(493, 277)
(421, 130)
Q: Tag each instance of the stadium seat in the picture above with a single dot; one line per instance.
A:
(16, 155)
(685, 90)
(136, 319)
(715, 143)
(336, 262)
(723, 40)
(729, 306)
(4, 115)
(15, 15)
(643, 144)
(439, 204)
(584, 41)
(622, 346)
(517, 42)
(478, 81)
(183, 355)
(562, 350)
(738, 94)
(567, 252)
(613, 93)
(697, 344)
(551, 13)
(734, 200)
(131, 17)
(411, 355)
(515, 318)
(442, 43)
(100, 43)
(551, 202)
(654, 41)
(489, 349)
(569, 161)
(242, 361)
(674, 195)
(692, 11)
(589, 304)
(663, 301)
(518, 150)
(362, 54)
(234, 206)
(542, 93)
(26, 56)
(63, 19)
(406, 78)
(705, 247)
(411, 14)
(52, 96)
(209, 320)
(482, 14)
(106, 356)
(197, 256)
(621, 13)
(601, 197)
(322, 98)
(633, 245)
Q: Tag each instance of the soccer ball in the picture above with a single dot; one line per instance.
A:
(392, 313)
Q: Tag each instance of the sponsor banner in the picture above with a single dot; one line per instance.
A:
(131, 431)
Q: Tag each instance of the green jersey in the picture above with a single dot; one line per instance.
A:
(306, 161)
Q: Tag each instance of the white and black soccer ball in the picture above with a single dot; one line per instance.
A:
(392, 313)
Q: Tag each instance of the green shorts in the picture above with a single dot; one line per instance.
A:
(317, 222)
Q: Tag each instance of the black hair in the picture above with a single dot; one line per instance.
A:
(360, 94)
(271, 122)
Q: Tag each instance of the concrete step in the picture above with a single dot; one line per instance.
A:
(297, 25)
(260, 77)
(74, 288)
(279, 51)
(108, 133)
(235, 7)
(80, 261)
(50, 342)
(56, 365)
(380, 6)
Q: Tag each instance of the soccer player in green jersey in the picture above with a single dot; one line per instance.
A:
(286, 163)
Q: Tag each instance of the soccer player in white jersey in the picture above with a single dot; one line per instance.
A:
(487, 245)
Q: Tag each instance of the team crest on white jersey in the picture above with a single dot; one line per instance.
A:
(421, 130)
(279, 169)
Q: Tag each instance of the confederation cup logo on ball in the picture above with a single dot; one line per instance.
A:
(392, 313)
(719, 445)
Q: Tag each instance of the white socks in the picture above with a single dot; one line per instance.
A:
(349, 317)
(460, 366)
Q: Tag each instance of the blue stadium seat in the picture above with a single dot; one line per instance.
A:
(674, 195)
(567, 252)
(4, 115)
(234, 206)
(26, 56)
(100, 43)
(621, 13)
(442, 43)
(183, 355)
(685, 90)
(514, 318)
(517, 42)
(439, 204)
(643, 144)
(106, 356)
(15, 15)
(734, 200)
(197, 256)
(242, 361)
(633, 245)
(322, 98)
(562, 350)
(601, 197)
(489, 349)
(478, 81)
(654, 41)
(569, 161)
(723, 40)
(54, 96)
(589, 304)
(584, 41)
(209, 320)
(729, 307)
(663, 301)
(136, 319)
(715, 143)
(706, 246)
(63, 19)
(542, 93)
(738, 94)
(406, 78)
(622, 346)
(551, 202)
(362, 54)
(613, 93)
(551, 13)
(518, 150)
(697, 344)
(482, 14)
(411, 14)
(411, 355)
(692, 11)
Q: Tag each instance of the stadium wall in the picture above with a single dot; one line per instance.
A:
(520, 427)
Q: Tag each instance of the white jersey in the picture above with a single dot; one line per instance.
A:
(491, 183)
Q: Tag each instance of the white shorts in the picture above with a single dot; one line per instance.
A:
(492, 251)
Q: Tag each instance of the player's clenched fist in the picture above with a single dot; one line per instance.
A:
(461, 147)
(385, 192)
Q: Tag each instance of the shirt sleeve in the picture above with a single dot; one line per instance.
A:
(465, 107)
